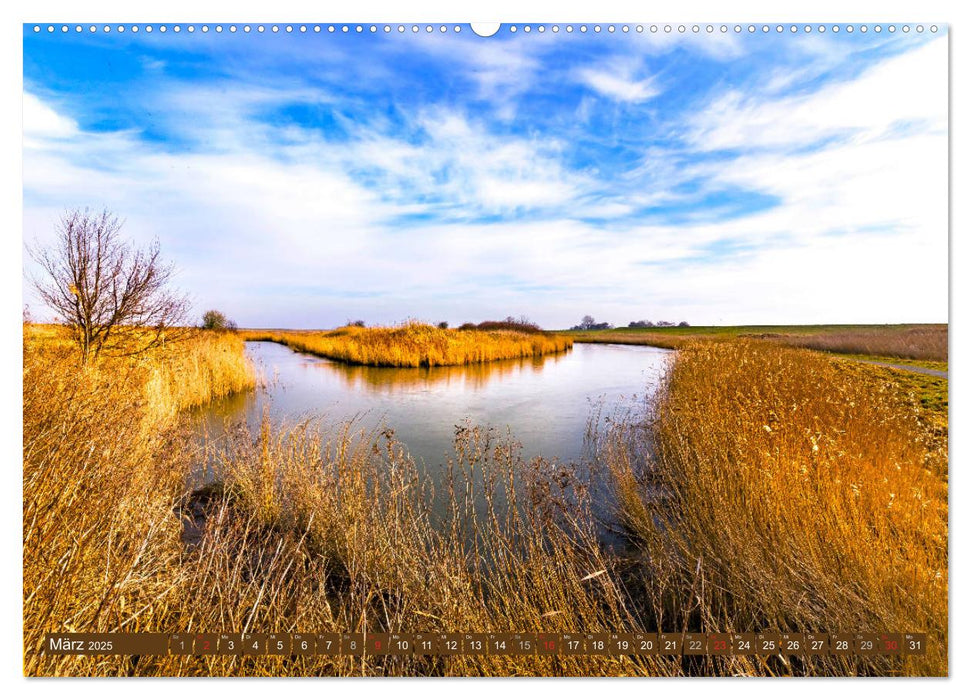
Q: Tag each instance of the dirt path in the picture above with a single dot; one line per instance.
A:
(909, 368)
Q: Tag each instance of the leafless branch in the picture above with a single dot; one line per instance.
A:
(114, 297)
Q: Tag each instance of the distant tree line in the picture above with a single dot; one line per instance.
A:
(657, 324)
(589, 323)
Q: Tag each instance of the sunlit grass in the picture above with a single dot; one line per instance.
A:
(790, 491)
(927, 342)
(105, 458)
(917, 343)
(306, 531)
(416, 344)
(771, 489)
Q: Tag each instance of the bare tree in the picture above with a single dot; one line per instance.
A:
(115, 298)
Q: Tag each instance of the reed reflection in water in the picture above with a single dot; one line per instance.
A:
(544, 403)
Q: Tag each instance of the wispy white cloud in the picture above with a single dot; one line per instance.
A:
(452, 216)
(617, 81)
(905, 88)
(501, 71)
(43, 122)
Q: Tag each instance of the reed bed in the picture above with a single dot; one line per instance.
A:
(336, 534)
(914, 342)
(416, 344)
(785, 493)
(773, 491)
(306, 531)
(207, 366)
(910, 343)
(104, 459)
(621, 337)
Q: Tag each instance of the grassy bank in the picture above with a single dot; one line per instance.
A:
(416, 344)
(779, 489)
(914, 342)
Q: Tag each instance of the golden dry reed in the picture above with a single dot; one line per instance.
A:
(621, 337)
(202, 366)
(920, 343)
(104, 458)
(304, 533)
(790, 491)
(416, 344)
(781, 494)
(913, 342)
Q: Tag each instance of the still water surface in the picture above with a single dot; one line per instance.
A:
(546, 403)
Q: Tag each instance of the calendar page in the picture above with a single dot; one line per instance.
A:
(447, 349)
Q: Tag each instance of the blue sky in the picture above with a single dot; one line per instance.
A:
(304, 179)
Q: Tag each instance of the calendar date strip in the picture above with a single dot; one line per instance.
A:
(521, 644)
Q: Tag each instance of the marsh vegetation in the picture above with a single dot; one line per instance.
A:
(415, 344)
(925, 342)
(766, 488)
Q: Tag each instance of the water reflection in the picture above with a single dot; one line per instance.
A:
(397, 379)
(544, 403)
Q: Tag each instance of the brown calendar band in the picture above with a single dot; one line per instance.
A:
(495, 644)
